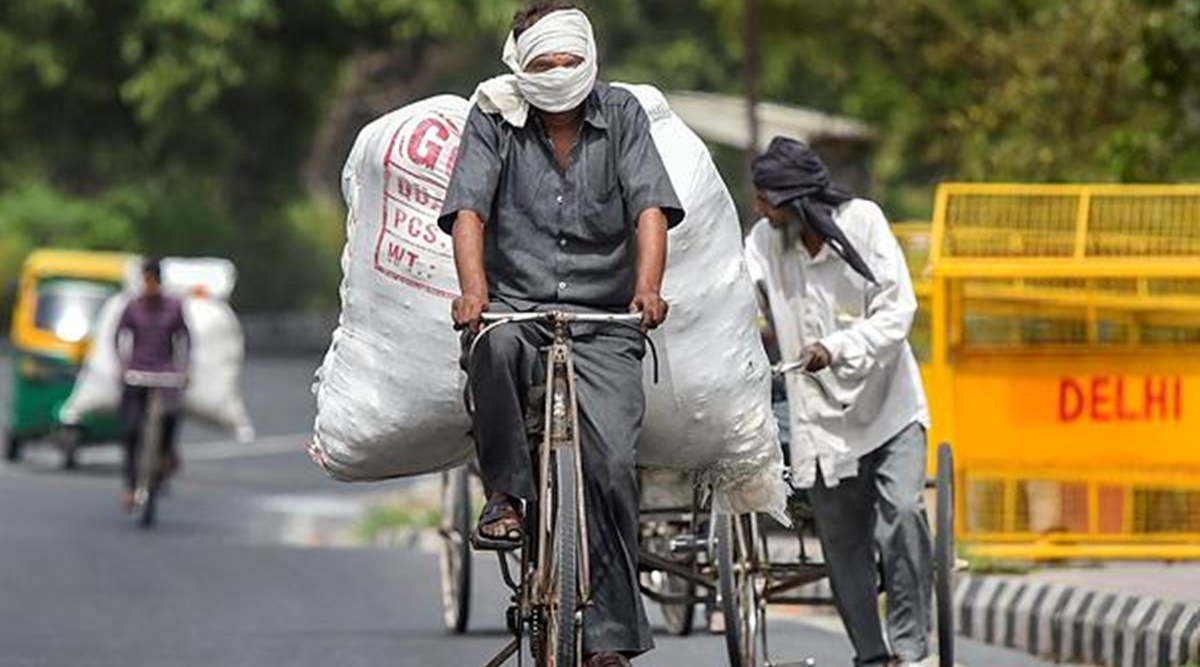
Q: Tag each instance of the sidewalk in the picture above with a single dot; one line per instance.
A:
(1116, 615)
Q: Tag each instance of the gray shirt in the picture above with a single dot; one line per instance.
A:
(554, 236)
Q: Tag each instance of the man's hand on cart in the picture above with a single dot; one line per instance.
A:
(818, 357)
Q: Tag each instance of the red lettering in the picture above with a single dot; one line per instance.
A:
(404, 188)
(421, 196)
(1099, 399)
(1070, 400)
(1122, 413)
(1156, 395)
(414, 228)
(399, 218)
(431, 232)
(1178, 399)
(424, 150)
(398, 254)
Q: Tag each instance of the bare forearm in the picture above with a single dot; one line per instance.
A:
(468, 254)
(652, 250)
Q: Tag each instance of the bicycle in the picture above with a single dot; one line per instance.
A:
(149, 472)
(552, 586)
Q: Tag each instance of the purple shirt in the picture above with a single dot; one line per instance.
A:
(159, 334)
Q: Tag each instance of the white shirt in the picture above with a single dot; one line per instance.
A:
(872, 389)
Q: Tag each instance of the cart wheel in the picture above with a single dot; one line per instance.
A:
(12, 448)
(69, 439)
(456, 549)
(737, 586)
(944, 556)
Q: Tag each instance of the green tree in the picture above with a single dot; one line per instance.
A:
(195, 116)
(1026, 90)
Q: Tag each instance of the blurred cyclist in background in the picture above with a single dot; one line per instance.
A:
(152, 336)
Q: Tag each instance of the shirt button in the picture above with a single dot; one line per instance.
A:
(558, 199)
(562, 242)
(562, 286)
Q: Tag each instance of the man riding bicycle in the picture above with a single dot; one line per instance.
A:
(560, 201)
(152, 336)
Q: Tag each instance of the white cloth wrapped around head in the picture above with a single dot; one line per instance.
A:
(559, 89)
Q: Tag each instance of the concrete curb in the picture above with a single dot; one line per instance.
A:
(1064, 623)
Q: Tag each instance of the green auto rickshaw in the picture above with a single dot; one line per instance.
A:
(59, 297)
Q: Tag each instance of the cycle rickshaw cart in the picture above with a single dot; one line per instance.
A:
(741, 565)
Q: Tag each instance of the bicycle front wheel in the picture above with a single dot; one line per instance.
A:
(149, 471)
(562, 637)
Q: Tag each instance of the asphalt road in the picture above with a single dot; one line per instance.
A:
(218, 584)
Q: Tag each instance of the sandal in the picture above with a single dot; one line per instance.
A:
(499, 512)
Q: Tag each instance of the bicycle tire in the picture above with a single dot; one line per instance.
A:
(564, 629)
(944, 555)
(455, 554)
(731, 584)
(149, 468)
(148, 465)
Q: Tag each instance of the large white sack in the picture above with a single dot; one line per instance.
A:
(98, 386)
(213, 394)
(713, 403)
(389, 392)
(389, 401)
(218, 351)
(213, 277)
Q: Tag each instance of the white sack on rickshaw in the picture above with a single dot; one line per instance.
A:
(214, 393)
(389, 393)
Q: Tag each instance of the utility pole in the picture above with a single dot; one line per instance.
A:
(751, 72)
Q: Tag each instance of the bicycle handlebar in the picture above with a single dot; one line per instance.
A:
(156, 379)
(785, 367)
(562, 316)
(493, 321)
(801, 365)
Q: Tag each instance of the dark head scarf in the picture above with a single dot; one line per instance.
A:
(791, 174)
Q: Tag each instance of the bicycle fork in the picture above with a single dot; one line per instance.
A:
(562, 408)
(149, 449)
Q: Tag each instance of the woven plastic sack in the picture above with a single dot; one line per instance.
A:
(389, 393)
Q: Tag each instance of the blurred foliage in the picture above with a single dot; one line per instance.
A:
(182, 126)
(35, 214)
(1021, 90)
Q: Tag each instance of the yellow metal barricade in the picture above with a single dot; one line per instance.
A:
(1064, 366)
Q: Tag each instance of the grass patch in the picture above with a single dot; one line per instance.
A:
(383, 518)
(985, 565)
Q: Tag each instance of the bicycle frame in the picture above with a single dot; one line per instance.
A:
(149, 458)
(537, 594)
